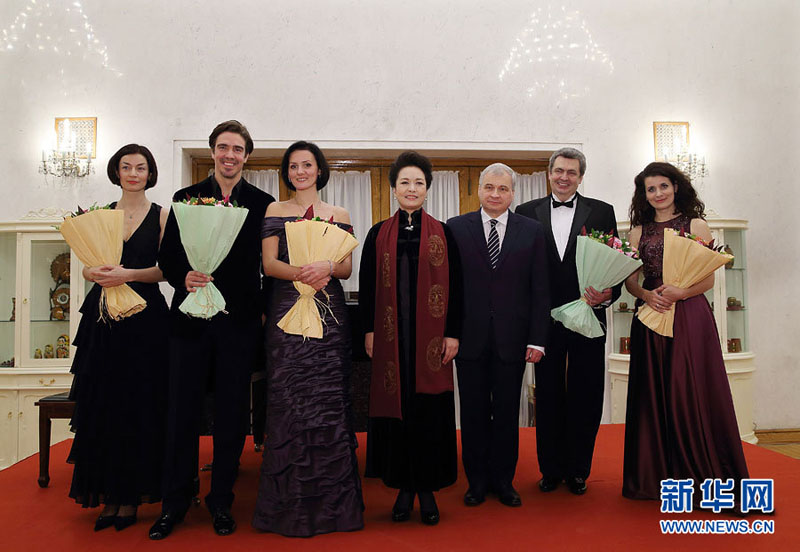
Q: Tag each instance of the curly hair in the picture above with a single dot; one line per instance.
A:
(686, 201)
(411, 159)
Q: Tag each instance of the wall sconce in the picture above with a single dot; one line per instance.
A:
(76, 144)
(671, 144)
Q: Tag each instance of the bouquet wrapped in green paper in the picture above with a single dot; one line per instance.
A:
(208, 228)
(603, 261)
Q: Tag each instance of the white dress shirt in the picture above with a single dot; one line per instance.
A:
(561, 222)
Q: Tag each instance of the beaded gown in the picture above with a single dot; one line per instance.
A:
(309, 480)
(119, 386)
(680, 422)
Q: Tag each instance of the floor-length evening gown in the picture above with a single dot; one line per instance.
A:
(680, 422)
(119, 386)
(417, 453)
(309, 476)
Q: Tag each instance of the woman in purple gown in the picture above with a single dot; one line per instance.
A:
(309, 476)
(680, 421)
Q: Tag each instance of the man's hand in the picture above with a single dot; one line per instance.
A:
(449, 349)
(533, 355)
(196, 280)
(594, 297)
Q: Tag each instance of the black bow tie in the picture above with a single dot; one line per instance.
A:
(557, 204)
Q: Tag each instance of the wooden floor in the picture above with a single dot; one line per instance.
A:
(784, 441)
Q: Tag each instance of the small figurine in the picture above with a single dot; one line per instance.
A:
(48, 351)
(62, 346)
(37, 353)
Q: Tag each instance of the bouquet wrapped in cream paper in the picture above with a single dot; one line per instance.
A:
(96, 237)
(603, 261)
(687, 261)
(208, 228)
(311, 240)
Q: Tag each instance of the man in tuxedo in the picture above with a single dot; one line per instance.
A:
(570, 378)
(222, 349)
(506, 316)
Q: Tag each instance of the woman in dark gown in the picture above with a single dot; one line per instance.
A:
(120, 368)
(413, 448)
(309, 476)
(680, 421)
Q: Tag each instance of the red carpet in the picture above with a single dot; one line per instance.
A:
(46, 519)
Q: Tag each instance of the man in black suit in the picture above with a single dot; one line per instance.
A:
(569, 401)
(506, 315)
(223, 349)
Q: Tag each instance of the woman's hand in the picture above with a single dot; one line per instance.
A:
(92, 273)
(110, 275)
(672, 293)
(369, 339)
(196, 280)
(449, 349)
(317, 270)
(321, 283)
(656, 300)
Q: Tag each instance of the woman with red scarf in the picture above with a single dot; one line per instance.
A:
(410, 302)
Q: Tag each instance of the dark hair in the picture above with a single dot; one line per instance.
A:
(322, 163)
(131, 149)
(686, 201)
(411, 159)
(568, 153)
(231, 126)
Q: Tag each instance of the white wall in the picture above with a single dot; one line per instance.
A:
(424, 70)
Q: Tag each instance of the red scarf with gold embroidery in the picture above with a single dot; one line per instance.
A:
(433, 291)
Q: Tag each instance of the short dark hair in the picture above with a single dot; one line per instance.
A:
(568, 153)
(322, 163)
(231, 126)
(686, 201)
(411, 159)
(131, 149)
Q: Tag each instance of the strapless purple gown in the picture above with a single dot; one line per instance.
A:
(309, 476)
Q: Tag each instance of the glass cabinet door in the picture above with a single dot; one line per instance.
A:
(8, 300)
(46, 300)
(736, 293)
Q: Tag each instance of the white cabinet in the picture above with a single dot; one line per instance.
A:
(729, 301)
(41, 290)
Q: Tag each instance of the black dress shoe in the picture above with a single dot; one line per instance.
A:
(104, 522)
(509, 496)
(473, 498)
(428, 511)
(223, 522)
(577, 485)
(164, 525)
(123, 522)
(401, 511)
(549, 484)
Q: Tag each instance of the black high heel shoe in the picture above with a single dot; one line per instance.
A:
(428, 511)
(401, 511)
(104, 522)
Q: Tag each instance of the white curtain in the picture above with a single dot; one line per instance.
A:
(353, 191)
(442, 201)
(266, 180)
(528, 187)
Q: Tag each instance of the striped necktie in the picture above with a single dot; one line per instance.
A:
(493, 244)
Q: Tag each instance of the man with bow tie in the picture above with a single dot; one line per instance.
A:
(570, 378)
(505, 320)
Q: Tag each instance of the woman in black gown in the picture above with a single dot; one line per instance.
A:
(120, 368)
(411, 441)
(680, 421)
(309, 476)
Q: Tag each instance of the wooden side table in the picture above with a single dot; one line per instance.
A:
(54, 406)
